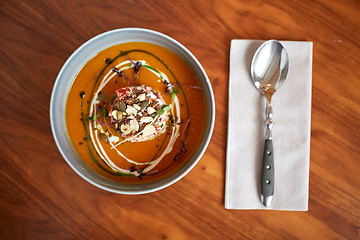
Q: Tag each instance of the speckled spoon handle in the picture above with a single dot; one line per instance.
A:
(267, 169)
(267, 174)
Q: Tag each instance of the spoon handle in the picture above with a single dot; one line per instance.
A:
(267, 174)
(267, 169)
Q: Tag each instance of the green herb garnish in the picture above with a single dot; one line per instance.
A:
(164, 108)
(155, 70)
(104, 112)
(174, 92)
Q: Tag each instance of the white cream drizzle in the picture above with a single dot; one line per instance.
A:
(174, 135)
(174, 108)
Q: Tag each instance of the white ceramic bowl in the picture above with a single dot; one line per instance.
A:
(62, 86)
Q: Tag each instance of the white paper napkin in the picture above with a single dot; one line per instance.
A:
(291, 131)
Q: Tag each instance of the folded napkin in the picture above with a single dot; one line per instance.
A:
(291, 132)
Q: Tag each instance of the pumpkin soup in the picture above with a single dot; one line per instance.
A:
(135, 112)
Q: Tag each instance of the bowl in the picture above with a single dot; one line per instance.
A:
(64, 81)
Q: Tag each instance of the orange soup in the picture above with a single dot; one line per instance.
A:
(135, 112)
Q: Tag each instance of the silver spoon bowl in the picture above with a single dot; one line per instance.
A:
(269, 69)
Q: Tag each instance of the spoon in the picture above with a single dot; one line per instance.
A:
(269, 69)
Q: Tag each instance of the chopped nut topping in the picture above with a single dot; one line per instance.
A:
(126, 128)
(131, 110)
(114, 114)
(134, 111)
(134, 124)
(142, 97)
(150, 110)
(149, 129)
(137, 107)
(113, 139)
(146, 119)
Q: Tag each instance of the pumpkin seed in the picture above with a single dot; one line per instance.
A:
(121, 106)
(112, 98)
(101, 97)
(144, 104)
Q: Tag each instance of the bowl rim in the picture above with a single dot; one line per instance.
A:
(204, 141)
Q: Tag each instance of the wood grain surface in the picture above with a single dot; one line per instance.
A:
(41, 197)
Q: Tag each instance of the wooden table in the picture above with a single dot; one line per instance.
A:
(43, 198)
